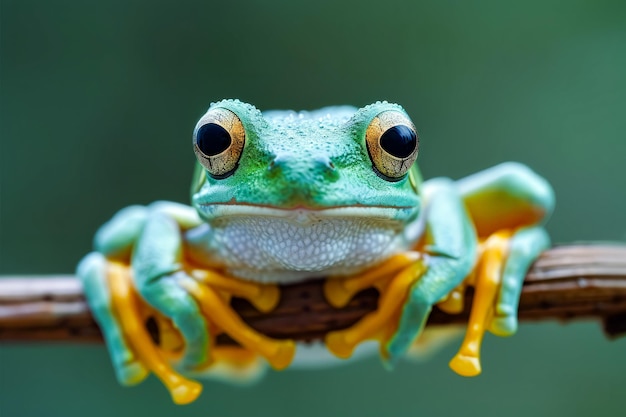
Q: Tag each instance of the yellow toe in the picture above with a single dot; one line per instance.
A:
(126, 304)
(283, 355)
(186, 392)
(339, 291)
(267, 299)
(337, 343)
(465, 365)
(336, 293)
(454, 303)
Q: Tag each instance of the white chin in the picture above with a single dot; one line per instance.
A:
(279, 249)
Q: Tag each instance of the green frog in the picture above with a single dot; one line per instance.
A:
(282, 196)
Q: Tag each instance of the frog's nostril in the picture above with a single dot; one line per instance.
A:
(325, 163)
(326, 168)
(277, 163)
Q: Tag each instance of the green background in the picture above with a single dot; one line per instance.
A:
(99, 98)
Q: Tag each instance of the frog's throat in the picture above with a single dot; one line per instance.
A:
(304, 215)
(278, 245)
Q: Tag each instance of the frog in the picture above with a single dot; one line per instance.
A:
(279, 197)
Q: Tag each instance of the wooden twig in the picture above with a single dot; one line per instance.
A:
(566, 283)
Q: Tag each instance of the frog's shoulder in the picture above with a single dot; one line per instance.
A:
(117, 236)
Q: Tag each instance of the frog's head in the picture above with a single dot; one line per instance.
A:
(339, 176)
(360, 162)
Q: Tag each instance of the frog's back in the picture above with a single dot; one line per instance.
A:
(339, 113)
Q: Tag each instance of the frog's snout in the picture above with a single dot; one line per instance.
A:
(309, 172)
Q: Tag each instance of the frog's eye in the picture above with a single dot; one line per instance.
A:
(218, 142)
(392, 144)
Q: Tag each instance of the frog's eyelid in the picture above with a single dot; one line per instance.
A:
(214, 126)
(365, 114)
(247, 113)
(392, 144)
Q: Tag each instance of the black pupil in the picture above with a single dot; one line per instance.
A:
(399, 141)
(213, 139)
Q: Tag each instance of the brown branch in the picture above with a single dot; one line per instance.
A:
(566, 283)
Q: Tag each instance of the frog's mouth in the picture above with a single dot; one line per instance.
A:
(306, 215)
(281, 245)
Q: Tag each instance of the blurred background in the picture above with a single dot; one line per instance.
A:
(99, 98)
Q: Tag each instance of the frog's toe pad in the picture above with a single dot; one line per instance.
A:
(186, 393)
(268, 298)
(465, 365)
(336, 293)
(503, 326)
(283, 354)
(336, 343)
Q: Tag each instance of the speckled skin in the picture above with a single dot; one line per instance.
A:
(305, 201)
(308, 159)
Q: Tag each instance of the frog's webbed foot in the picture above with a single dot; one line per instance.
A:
(228, 363)
(213, 291)
(122, 315)
(119, 313)
(393, 279)
(504, 258)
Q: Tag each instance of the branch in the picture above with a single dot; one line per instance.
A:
(566, 283)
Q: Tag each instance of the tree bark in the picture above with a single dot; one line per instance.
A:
(565, 283)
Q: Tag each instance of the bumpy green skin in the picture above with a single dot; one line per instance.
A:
(286, 162)
(312, 162)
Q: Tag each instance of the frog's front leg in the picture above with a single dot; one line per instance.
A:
(419, 279)
(450, 249)
(189, 296)
(121, 314)
(195, 301)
